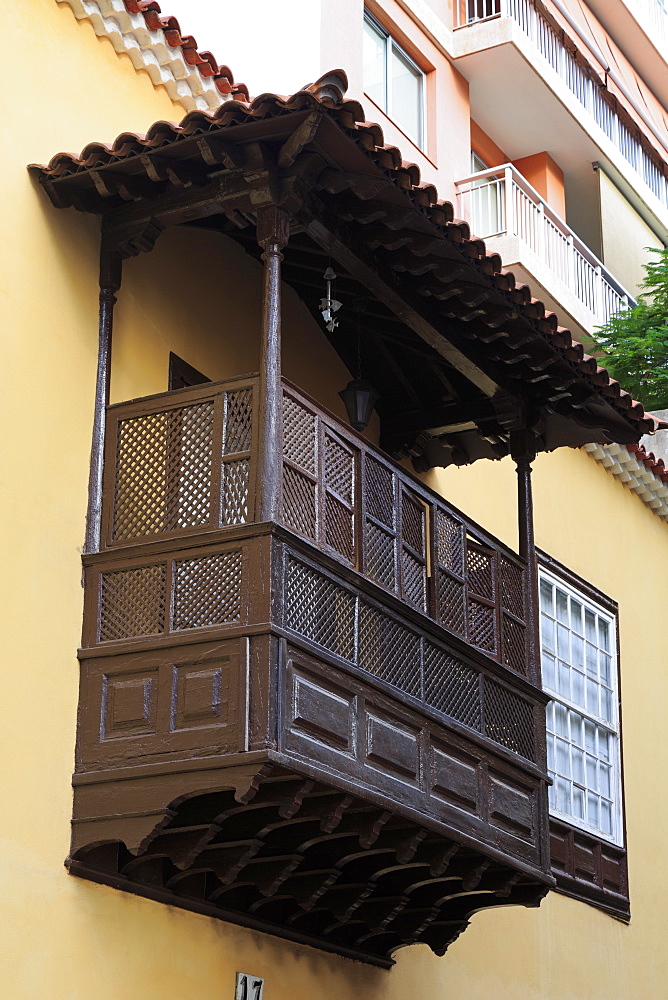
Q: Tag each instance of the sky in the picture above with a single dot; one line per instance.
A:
(249, 47)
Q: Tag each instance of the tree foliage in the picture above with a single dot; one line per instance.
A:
(635, 341)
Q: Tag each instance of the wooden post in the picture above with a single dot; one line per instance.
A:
(523, 451)
(272, 235)
(110, 280)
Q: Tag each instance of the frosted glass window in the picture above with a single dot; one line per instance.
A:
(578, 657)
(393, 80)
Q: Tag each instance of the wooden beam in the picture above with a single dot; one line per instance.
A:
(360, 267)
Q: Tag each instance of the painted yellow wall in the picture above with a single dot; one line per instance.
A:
(66, 939)
(622, 233)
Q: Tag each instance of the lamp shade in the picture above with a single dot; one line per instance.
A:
(359, 397)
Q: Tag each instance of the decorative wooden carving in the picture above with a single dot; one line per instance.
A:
(312, 725)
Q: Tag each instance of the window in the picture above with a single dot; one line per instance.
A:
(578, 643)
(486, 200)
(392, 80)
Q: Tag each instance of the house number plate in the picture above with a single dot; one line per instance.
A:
(249, 987)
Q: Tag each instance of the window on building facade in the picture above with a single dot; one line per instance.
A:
(579, 643)
(486, 200)
(393, 80)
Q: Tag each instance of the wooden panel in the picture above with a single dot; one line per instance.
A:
(455, 778)
(511, 806)
(392, 746)
(589, 868)
(129, 704)
(149, 706)
(321, 713)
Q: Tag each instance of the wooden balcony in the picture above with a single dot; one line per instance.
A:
(323, 726)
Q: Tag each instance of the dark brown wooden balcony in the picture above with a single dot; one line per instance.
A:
(323, 726)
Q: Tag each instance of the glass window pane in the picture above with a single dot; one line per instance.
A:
(406, 94)
(548, 670)
(590, 625)
(591, 773)
(606, 818)
(592, 809)
(564, 680)
(591, 658)
(563, 646)
(605, 663)
(561, 720)
(563, 758)
(592, 697)
(604, 779)
(578, 765)
(563, 795)
(576, 616)
(577, 680)
(578, 803)
(577, 652)
(603, 634)
(547, 630)
(374, 70)
(562, 606)
(546, 590)
(606, 704)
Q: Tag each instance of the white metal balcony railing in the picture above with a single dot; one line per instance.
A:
(501, 202)
(575, 76)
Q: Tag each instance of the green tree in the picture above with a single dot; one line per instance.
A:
(635, 341)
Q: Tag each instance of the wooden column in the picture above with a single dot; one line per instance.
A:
(272, 235)
(110, 280)
(523, 450)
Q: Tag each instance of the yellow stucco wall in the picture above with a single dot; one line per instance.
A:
(65, 939)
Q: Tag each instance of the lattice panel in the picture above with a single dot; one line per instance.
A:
(379, 492)
(236, 489)
(509, 719)
(132, 603)
(512, 587)
(480, 571)
(320, 610)
(299, 435)
(339, 527)
(339, 469)
(412, 523)
(163, 472)
(389, 650)
(450, 542)
(451, 687)
(451, 606)
(238, 421)
(481, 625)
(298, 502)
(413, 579)
(207, 591)
(514, 646)
(379, 555)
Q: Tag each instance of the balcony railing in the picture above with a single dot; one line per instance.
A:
(332, 707)
(501, 202)
(576, 77)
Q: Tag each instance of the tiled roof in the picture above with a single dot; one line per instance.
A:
(637, 469)
(154, 43)
(327, 96)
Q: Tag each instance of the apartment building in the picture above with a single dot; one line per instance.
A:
(363, 671)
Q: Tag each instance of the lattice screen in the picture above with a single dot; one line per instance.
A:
(169, 462)
(333, 617)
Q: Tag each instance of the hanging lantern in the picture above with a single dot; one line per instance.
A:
(328, 304)
(359, 398)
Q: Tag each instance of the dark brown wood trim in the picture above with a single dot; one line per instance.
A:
(273, 230)
(110, 280)
(182, 375)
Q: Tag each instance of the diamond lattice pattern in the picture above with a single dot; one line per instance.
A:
(132, 603)
(163, 472)
(207, 591)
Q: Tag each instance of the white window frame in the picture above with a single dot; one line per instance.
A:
(611, 726)
(386, 107)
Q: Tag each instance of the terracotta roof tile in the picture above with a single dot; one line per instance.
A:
(328, 96)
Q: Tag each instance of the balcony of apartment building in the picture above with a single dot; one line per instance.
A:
(640, 29)
(503, 208)
(310, 693)
(534, 86)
